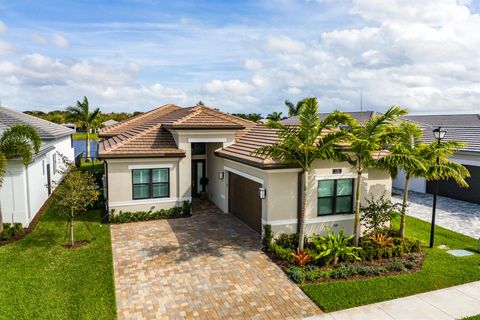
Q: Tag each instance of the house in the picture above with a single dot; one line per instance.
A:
(460, 127)
(25, 189)
(109, 123)
(158, 159)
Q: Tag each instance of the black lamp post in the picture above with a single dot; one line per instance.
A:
(439, 134)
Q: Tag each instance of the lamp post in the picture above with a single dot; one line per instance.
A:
(439, 134)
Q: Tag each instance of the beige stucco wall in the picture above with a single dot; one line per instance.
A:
(120, 184)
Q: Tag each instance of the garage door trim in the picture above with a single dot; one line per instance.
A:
(245, 175)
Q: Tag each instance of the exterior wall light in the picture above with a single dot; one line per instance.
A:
(221, 175)
(262, 193)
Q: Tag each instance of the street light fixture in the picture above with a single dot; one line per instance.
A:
(439, 134)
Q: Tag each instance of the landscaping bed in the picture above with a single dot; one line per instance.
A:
(172, 213)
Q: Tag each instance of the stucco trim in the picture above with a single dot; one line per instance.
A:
(243, 174)
(146, 201)
(329, 218)
(193, 140)
(150, 166)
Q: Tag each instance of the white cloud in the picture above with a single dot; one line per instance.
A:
(3, 27)
(285, 44)
(60, 41)
(294, 90)
(6, 48)
(39, 39)
(252, 64)
(227, 87)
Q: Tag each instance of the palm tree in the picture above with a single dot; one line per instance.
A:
(275, 116)
(84, 118)
(294, 110)
(367, 140)
(17, 141)
(301, 145)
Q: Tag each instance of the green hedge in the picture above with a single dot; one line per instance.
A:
(10, 231)
(123, 217)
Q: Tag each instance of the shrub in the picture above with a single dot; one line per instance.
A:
(123, 217)
(285, 240)
(10, 231)
(300, 257)
(280, 252)
(375, 248)
(267, 235)
(186, 207)
(377, 213)
(333, 248)
(308, 273)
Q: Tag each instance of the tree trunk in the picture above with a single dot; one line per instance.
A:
(301, 220)
(87, 147)
(404, 207)
(72, 242)
(356, 225)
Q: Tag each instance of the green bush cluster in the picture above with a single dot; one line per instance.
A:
(398, 247)
(347, 270)
(123, 217)
(10, 231)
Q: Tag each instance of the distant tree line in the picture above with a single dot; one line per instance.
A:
(65, 116)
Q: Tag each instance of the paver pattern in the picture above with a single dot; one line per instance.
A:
(456, 215)
(208, 266)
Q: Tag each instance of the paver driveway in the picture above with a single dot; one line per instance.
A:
(209, 266)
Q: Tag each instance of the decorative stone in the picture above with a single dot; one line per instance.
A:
(460, 253)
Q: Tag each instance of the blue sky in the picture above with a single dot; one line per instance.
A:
(241, 56)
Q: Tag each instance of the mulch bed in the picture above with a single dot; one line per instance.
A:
(375, 263)
(177, 216)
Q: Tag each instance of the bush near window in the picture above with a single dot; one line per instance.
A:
(10, 231)
(123, 217)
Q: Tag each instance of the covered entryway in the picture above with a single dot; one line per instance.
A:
(244, 201)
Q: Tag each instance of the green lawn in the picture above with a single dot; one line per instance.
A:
(82, 136)
(42, 280)
(439, 270)
(477, 317)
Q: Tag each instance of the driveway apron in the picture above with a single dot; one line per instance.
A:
(208, 266)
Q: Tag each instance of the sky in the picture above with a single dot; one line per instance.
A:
(241, 56)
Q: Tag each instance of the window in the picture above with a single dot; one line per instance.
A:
(54, 163)
(150, 183)
(198, 148)
(334, 196)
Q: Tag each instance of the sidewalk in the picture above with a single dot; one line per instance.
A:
(450, 303)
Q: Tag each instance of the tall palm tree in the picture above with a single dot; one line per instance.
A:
(367, 140)
(294, 109)
(301, 145)
(275, 116)
(84, 118)
(17, 141)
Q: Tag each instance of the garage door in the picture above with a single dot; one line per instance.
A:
(244, 202)
(450, 188)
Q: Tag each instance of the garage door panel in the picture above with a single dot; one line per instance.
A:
(244, 201)
(450, 188)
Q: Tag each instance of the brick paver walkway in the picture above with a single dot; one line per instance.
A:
(209, 266)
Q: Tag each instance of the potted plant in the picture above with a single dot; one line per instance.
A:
(203, 194)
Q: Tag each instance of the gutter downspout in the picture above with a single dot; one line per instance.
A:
(29, 213)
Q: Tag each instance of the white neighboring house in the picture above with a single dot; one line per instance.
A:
(25, 189)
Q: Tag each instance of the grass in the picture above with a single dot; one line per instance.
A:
(42, 280)
(82, 136)
(477, 317)
(94, 165)
(440, 270)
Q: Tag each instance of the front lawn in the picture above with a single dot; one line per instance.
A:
(439, 270)
(42, 280)
(83, 136)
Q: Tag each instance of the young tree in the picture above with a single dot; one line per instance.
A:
(301, 145)
(367, 140)
(75, 194)
(84, 118)
(17, 141)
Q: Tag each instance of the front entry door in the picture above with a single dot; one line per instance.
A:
(198, 172)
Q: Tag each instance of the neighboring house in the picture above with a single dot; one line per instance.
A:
(25, 189)
(360, 116)
(109, 123)
(70, 125)
(460, 127)
(156, 160)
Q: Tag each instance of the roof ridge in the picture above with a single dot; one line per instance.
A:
(195, 110)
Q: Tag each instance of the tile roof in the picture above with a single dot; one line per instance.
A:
(466, 120)
(46, 129)
(360, 116)
(148, 135)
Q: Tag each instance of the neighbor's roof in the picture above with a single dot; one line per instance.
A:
(46, 129)
(360, 116)
(460, 127)
(148, 135)
(109, 122)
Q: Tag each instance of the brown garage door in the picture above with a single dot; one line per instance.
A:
(244, 202)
